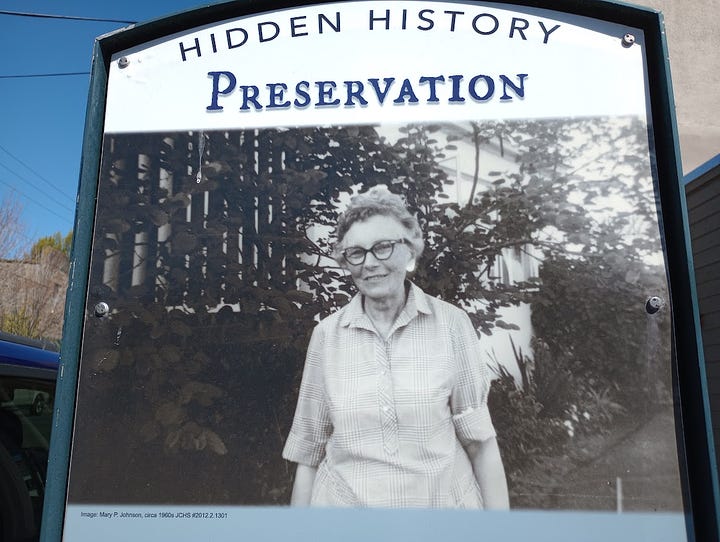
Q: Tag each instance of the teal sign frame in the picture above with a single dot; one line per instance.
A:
(694, 436)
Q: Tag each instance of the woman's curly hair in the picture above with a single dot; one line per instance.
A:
(378, 201)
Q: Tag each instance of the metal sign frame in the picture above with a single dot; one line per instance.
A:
(694, 435)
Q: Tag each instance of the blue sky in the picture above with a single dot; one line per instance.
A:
(42, 118)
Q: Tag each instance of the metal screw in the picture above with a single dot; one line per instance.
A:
(102, 309)
(654, 304)
(123, 62)
(628, 40)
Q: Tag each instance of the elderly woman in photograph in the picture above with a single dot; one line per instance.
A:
(392, 409)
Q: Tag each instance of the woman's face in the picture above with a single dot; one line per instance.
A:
(380, 280)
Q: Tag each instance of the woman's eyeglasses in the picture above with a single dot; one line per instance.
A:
(382, 250)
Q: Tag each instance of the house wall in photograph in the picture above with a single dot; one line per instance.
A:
(703, 206)
(495, 159)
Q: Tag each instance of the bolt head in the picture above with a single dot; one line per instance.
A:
(628, 40)
(654, 304)
(102, 309)
(123, 62)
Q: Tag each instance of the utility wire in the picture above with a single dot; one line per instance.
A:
(33, 185)
(65, 17)
(42, 75)
(15, 188)
(43, 179)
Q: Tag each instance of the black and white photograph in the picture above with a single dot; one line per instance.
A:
(457, 314)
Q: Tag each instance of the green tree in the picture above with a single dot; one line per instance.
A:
(57, 241)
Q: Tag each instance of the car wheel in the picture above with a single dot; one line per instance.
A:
(17, 521)
(38, 406)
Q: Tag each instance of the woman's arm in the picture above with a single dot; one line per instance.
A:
(489, 472)
(302, 488)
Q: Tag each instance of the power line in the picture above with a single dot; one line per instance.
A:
(22, 76)
(50, 184)
(64, 218)
(33, 185)
(65, 17)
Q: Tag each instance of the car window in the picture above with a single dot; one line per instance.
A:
(25, 427)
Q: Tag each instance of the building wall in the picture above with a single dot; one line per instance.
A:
(693, 45)
(703, 202)
(32, 296)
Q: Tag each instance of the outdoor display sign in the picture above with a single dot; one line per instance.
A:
(227, 373)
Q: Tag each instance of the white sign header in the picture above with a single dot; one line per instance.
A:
(367, 62)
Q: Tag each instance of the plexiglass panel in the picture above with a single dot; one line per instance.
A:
(520, 306)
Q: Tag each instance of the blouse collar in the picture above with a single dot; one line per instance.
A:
(417, 303)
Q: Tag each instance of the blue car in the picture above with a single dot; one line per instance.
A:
(28, 372)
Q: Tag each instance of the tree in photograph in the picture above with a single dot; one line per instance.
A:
(589, 200)
(602, 250)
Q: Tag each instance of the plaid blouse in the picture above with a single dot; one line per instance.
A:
(385, 420)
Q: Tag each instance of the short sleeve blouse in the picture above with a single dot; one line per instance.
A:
(385, 421)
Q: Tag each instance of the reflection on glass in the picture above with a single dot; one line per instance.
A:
(25, 427)
(212, 250)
